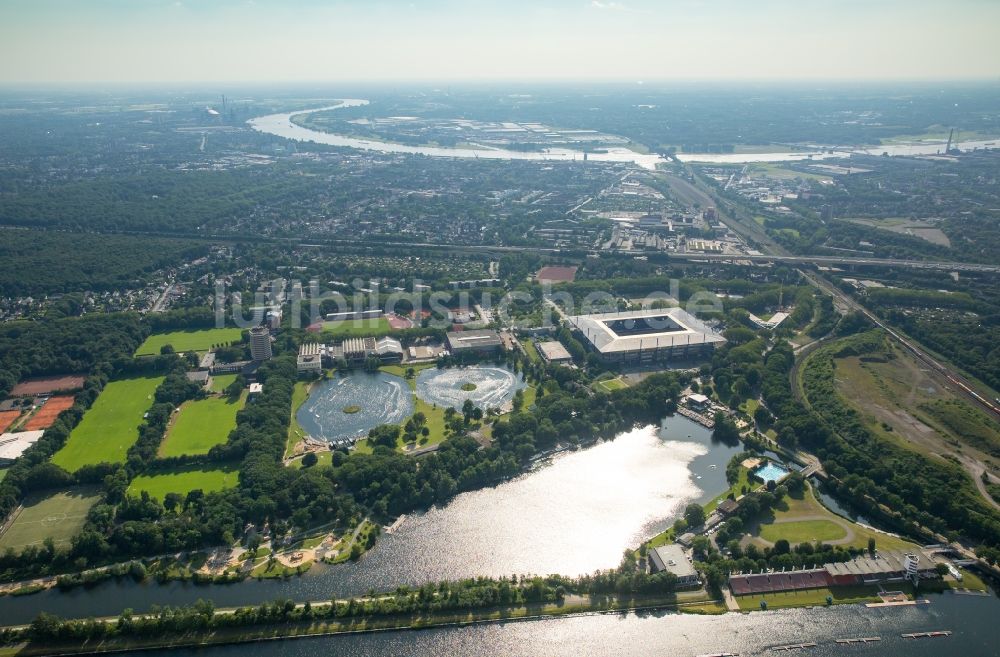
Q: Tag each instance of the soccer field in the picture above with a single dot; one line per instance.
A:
(59, 517)
(201, 425)
(200, 340)
(110, 426)
(360, 328)
(183, 481)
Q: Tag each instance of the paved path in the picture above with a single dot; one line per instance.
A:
(727, 596)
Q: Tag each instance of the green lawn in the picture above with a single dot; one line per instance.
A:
(610, 385)
(323, 458)
(185, 480)
(810, 597)
(201, 425)
(805, 514)
(295, 431)
(111, 425)
(531, 350)
(199, 340)
(400, 371)
(222, 381)
(735, 490)
(435, 423)
(357, 328)
(803, 531)
(58, 516)
(750, 406)
(530, 395)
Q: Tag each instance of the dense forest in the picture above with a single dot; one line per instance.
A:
(66, 346)
(34, 262)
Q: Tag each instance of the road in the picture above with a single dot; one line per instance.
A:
(774, 252)
(844, 300)
(162, 299)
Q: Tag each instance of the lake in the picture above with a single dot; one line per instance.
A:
(573, 515)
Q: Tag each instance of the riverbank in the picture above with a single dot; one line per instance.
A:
(312, 627)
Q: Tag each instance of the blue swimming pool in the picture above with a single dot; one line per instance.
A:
(771, 472)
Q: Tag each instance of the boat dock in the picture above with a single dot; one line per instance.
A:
(864, 639)
(898, 603)
(395, 525)
(795, 646)
(703, 420)
(926, 635)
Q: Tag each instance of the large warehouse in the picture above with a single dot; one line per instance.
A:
(647, 336)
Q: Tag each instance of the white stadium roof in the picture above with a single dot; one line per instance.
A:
(677, 328)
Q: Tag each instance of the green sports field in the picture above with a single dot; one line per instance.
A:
(201, 425)
(221, 381)
(359, 328)
(58, 516)
(185, 480)
(111, 425)
(201, 340)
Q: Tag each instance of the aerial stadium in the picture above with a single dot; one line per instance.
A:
(640, 337)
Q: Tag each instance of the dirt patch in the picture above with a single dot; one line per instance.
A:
(47, 385)
(926, 231)
(556, 274)
(889, 395)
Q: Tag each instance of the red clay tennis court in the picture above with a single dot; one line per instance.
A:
(396, 322)
(48, 413)
(7, 418)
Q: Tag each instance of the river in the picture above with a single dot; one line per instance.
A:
(654, 634)
(573, 515)
(281, 125)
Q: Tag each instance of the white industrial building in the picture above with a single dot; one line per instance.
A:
(671, 558)
(553, 352)
(13, 445)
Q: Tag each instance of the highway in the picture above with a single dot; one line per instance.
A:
(962, 385)
(840, 260)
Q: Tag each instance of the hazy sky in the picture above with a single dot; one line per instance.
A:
(318, 40)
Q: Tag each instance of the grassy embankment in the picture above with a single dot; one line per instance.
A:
(301, 629)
